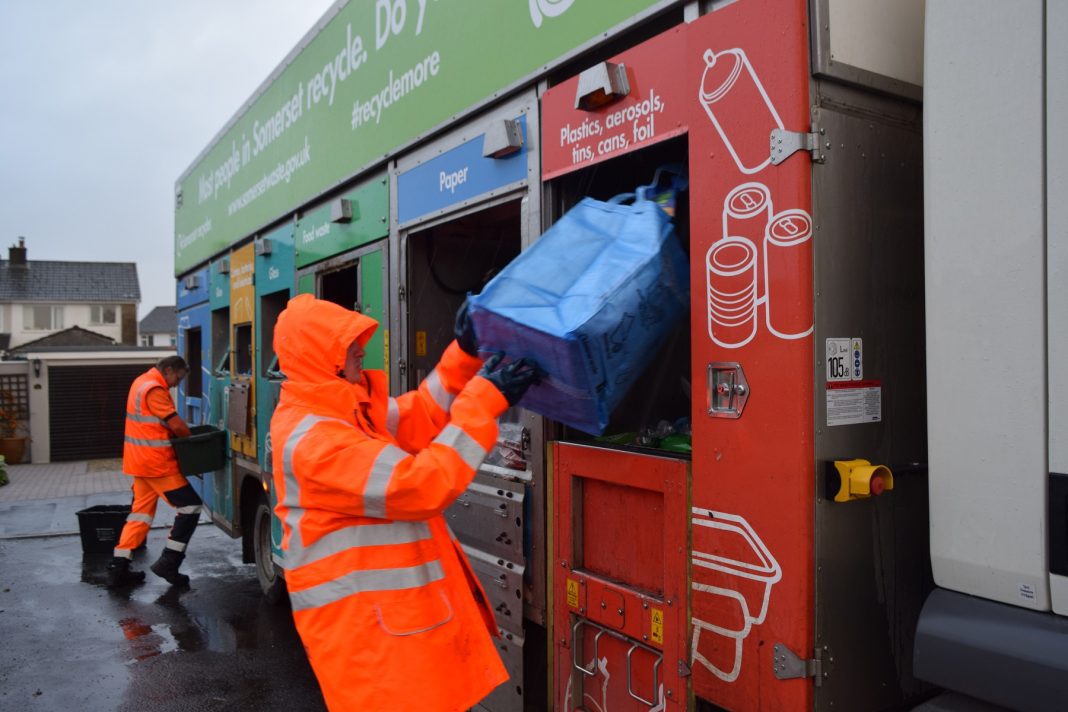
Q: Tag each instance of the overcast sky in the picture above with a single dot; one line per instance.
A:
(104, 104)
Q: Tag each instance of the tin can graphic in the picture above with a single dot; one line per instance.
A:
(735, 101)
(747, 210)
(731, 269)
(787, 254)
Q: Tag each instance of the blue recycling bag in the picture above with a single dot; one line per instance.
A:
(591, 301)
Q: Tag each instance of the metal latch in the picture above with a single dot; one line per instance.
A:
(786, 143)
(728, 391)
(789, 666)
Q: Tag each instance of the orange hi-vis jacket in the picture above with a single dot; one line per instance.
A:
(384, 599)
(147, 451)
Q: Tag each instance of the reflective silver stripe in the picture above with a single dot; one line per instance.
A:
(365, 581)
(148, 443)
(174, 545)
(374, 492)
(437, 391)
(465, 446)
(291, 501)
(139, 417)
(393, 417)
(191, 509)
(139, 517)
(140, 392)
(124, 553)
(359, 536)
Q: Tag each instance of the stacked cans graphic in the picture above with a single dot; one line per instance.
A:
(756, 243)
(735, 275)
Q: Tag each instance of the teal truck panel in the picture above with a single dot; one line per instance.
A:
(274, 285)
(219, 287)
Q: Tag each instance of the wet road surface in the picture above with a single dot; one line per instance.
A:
(68, 643)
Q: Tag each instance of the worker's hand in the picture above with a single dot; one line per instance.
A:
(177, 427)
(464, 330)
(511, 380)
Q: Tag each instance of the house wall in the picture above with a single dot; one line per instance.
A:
(73, 315)
(163, 340)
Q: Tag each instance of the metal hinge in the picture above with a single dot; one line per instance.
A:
(788, 665)
(786, 143)
(402, 293)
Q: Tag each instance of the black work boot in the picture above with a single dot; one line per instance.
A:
(120, 574)
(166, 567)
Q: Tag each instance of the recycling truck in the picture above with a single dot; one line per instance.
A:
(840, 483)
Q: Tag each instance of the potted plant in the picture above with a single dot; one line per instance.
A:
(12, 445)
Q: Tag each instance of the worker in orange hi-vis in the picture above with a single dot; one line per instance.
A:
(385, 601)
(148, 457)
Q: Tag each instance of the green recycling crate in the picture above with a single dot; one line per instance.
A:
(203, 451)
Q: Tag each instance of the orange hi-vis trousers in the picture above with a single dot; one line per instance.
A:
(146, 493)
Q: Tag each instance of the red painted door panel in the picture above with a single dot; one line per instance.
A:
(751, 303)
(619, 580)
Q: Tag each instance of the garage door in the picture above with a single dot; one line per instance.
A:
(87, 410)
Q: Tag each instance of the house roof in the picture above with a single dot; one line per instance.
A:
(161, 320)
(51, 281)
(74, 336)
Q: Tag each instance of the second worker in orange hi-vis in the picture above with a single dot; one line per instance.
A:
(148, 457)
(385, 601)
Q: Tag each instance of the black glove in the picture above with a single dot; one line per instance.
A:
(464, 330)
(512, 380)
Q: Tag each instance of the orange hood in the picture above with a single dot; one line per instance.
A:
(312, 336)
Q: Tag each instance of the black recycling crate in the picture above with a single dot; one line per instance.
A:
(203, 451)
(100, 527)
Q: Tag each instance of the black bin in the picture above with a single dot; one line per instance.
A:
(203, 451)
(100, 527)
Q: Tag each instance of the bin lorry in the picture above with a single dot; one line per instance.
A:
(839, 484)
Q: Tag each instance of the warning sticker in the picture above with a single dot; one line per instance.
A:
(572, 593)
(657, 635)
(854, 402)
(845, 360)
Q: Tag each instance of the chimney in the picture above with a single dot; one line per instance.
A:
(17, 255)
